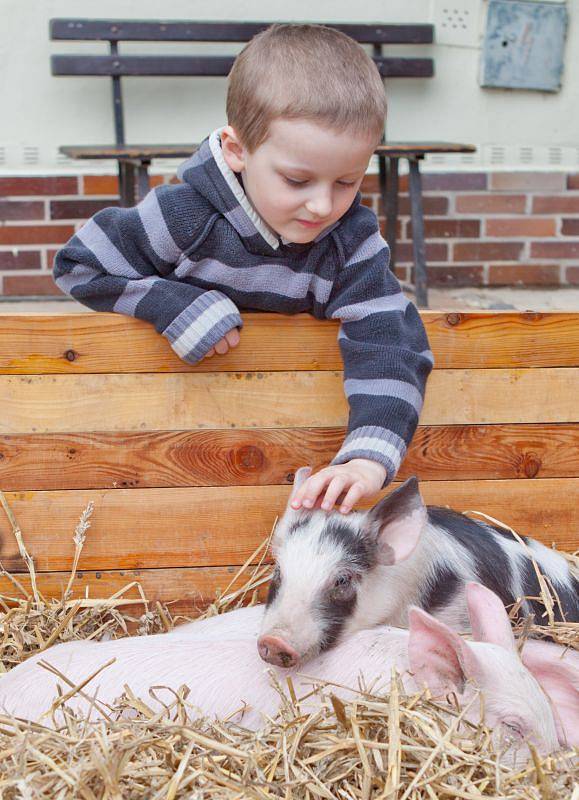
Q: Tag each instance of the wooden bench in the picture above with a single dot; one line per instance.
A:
(134, 160)
(188, 466)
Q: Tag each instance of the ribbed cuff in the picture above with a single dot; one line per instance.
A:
(375, 444)
(201, 325)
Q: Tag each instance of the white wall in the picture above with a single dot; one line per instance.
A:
(40, 112)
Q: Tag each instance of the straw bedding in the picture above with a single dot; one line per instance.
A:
(395, 746)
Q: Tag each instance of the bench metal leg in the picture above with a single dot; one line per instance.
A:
(126, 184)
(392, 209)
(418, 245)
(133, 181)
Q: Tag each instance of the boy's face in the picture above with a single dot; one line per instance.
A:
(303, 178)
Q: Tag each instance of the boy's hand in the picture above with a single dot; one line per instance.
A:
(346, 483)
(231, 339)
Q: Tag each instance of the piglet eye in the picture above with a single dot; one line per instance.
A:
(342, 581)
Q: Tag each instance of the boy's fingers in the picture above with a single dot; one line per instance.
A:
(309, 491)
(209, 353)
(232, 337)
(333, 492)
(222, 347)
(355, 493)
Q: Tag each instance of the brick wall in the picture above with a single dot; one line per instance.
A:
(482, 229)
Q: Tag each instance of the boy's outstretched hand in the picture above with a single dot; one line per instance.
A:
(231, 339)
(346, 484)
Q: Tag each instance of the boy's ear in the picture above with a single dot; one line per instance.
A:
(232, 149)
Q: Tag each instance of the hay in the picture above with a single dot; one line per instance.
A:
(395, 747)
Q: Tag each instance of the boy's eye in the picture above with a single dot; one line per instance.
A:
(346, 183)
(293, 182)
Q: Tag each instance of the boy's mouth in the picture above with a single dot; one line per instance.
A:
(308, 224)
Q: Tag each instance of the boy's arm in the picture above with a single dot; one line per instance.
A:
(122, 260)
(385, 350)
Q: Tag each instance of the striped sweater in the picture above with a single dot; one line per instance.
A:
(190, 255)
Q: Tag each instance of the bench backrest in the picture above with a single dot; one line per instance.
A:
(188, 466)
(115, 65)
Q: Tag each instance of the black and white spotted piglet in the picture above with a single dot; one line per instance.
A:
(337, 574)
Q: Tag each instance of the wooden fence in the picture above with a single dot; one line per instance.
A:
(188, 466)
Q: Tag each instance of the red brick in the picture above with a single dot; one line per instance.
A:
(523, 226)
(468, 275)
(38, 185)
(487, 251)
(21, 259)
(570, 227)
(30, 285)
(555, 249)
(21, 210)
(524, 274)
(573, 181)
(101, 184)
(572, 276)
(434, 252)
(556, 204)
(109, 184)
(432, 205)
(78, 209)
(491, 203)
(35, 234)
(399, 228)
(528, 181)
(448, 228)
(454, 181)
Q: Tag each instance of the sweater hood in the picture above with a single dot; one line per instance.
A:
(209, 174)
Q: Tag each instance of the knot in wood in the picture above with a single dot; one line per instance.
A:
(70, 355)
(250, 457)
(531, 465)
(453, 318)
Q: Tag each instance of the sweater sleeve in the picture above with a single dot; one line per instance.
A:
(384, 347)
(123, 260)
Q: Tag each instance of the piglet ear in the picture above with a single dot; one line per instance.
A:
(488, 619)
(290, 515)
(557, 672)
(438, 656)
(302, 474)
(396, 522)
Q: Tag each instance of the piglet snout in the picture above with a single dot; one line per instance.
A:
(274, 650)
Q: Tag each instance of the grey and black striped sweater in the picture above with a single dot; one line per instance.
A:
(190, 255)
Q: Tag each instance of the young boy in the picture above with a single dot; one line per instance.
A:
(268, 217)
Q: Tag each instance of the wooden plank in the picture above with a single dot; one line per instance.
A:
(118, 30)
(160, 528)
(202, 66)
(84, 403)
(90, 342)
(186, 591)
(266, 457)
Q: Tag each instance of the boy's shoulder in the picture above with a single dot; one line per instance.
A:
(184, 211)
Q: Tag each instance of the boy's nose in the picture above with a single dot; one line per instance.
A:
(320, 205)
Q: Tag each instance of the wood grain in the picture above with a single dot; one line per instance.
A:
(137, 402)
(87, 343)
(160, 528)
(268, 456)
(185, 591)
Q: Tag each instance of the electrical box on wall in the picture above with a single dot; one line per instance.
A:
(524, 44)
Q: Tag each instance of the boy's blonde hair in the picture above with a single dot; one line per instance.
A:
(304, 72)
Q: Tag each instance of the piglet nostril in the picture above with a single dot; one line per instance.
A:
(274, 650)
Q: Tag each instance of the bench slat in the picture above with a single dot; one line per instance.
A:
(203, 66)
(186, 31)
(160, 528)
(110, 343)
(148, 402)
(268, 457)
